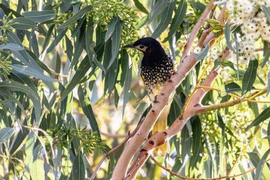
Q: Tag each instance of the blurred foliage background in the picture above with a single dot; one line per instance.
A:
(69, 92)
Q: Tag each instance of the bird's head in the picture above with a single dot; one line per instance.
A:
(148, 45)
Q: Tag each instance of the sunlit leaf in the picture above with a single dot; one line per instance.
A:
(87, 109)
(266, 12)
(76, 16)
(178, 18)
(32, 72)
(80, 73)
(250, 76)
(228, 36)
(203, 54)
(262, 117)
(111, 28)
(140, 6)
(260, 166)
(6, 134)
(165, 19)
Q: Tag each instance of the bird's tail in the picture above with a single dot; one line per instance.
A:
(161, 125)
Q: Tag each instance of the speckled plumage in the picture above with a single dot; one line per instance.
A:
(156, 66)
(156, 69)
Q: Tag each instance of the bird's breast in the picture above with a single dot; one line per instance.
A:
(156, 75)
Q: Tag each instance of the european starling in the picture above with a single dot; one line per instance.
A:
(156, 69)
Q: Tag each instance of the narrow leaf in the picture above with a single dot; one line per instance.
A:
(228, 36)
(262, 117)
(249, 76)
(6, 134)
(22, 23)
(11, 46)
(165, 19)
(232, 87)
(203, 54)
(115, 42)
(180, 13)
(259, 167)
(32, 72)
(76, 16)
(197, 139)
(111, 28)
(80, 73)
(87, 109)
(140, 6)
(266, 12)
(78, 170)
(40, 16)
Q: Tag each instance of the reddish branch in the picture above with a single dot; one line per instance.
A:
(187, 63)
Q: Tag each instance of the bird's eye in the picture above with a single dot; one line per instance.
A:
(141, 46)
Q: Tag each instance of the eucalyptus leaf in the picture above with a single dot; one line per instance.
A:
(6, 134)
(140, 6)
(11, 46)
(78, 169)
(22, 23)
(262, 117)
(249, 76)
(266, 12)
(178, 18)
(39, 16)
(87, 109)
(165, 19)
(76, 16)
(80, 73)
(228, 36)
(32, 72)
(203, 54)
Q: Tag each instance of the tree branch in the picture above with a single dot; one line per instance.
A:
(187, 63)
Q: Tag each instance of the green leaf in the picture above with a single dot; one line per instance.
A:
(260, 166)
(20, 137)
(249, 76)
(80, 73)
(87, 109)
(266, 12)
(76, 16)
(57, 39)
(203, 54)
(227, 63)
(232, 87)
(11, 46)
(6, 134)
(180, 13)
(158, 8)
(116, 39)
(15, 86)
(32, 72)
(37, 169)
(140, 6)
(262, 117)
(78, 170)
(127, 84)
(165, 19)
(39, 16)
(22, 23)
(228, 36)
(196, 140)
(111, 28)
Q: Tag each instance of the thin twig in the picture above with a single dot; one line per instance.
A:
(115, 149)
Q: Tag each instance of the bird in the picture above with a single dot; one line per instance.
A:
(155, 70)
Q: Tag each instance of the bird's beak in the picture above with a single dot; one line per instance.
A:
(129, 46)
